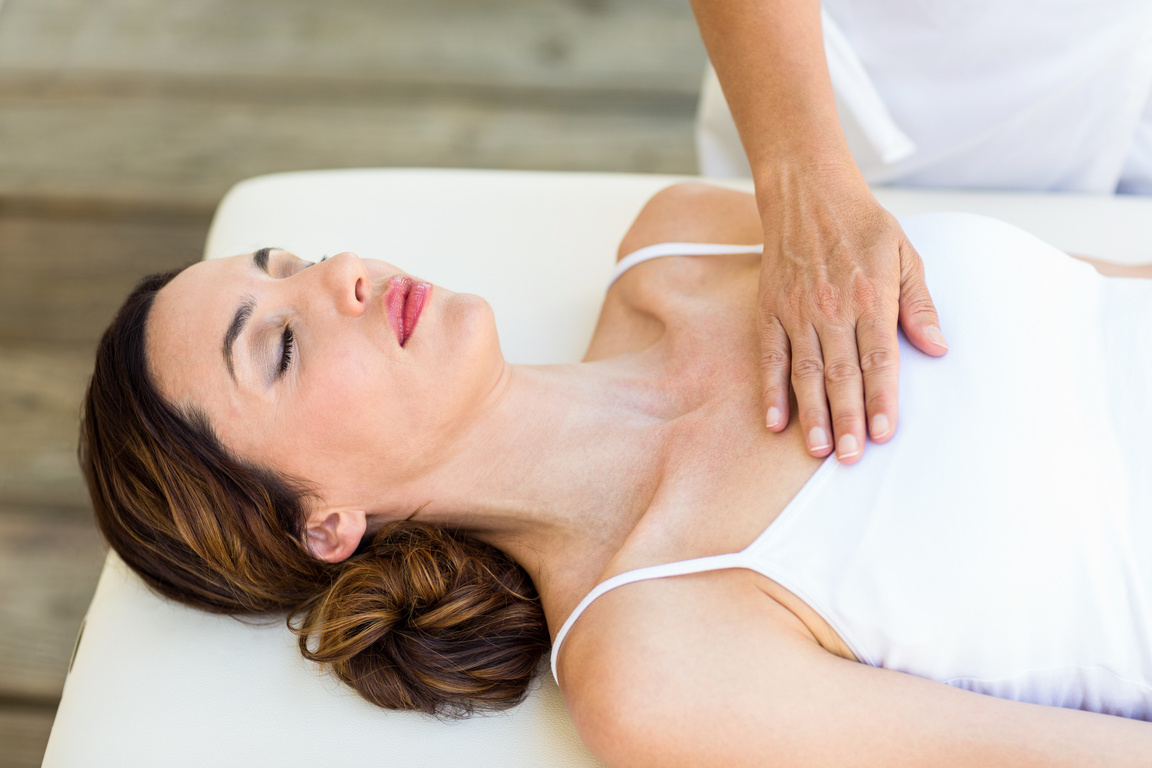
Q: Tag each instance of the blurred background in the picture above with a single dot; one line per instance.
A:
(123, 122)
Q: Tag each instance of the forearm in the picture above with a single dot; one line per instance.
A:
(769, 56)
(837, 269)
(1113, 269)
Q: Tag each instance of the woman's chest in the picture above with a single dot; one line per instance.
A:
(725, 476)
(725, 481)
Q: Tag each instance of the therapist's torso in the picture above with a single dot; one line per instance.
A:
(995, 94)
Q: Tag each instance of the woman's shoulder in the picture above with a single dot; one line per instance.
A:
(643, 298)
(694, 212)
(646, 653)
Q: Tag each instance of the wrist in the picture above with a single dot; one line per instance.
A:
(803, 132)
(803, 175)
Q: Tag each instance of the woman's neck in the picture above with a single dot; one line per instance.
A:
(560, 464)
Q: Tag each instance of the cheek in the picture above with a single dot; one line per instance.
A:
(366, 416)
(360, 413)
(343, 396)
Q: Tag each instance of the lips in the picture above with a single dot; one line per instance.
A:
(404, 301)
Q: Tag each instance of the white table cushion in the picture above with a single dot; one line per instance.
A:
(154, 683)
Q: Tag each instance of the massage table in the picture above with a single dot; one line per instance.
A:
(153, 683)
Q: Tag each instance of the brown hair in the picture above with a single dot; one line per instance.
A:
(419, 618)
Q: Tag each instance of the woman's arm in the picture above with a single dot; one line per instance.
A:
(1112, 269)
(701, 673)
(692, 212)
(838, 271)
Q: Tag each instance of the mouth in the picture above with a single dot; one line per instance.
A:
(404, 301)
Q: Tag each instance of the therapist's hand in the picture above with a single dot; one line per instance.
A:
(838, 273)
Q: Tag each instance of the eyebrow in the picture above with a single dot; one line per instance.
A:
(243, 314)
(260, 259)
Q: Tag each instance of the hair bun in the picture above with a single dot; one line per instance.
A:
(427, 620)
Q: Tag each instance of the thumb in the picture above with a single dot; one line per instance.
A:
(917, 312)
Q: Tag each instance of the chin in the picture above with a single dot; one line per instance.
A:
(479, 328)
(468, 334)
(467, 364)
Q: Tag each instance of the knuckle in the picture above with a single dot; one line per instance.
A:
(794, 304)
(845, 422)
(912, 270)
(869, 298)
(876, 402)
(826, 299)
(812, 416)
(771, 330)
(910, 257)
(773, 359)
(841, 371)
(807, 368)
(879, 360)
(771, 395)
(920, 306)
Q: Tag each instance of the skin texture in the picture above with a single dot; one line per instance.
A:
(838, 272)
(344, 353)
(647, 452)
(384, 433)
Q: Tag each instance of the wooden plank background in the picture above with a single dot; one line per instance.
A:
(122, 122)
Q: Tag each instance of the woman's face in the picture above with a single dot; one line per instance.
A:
(347, 373)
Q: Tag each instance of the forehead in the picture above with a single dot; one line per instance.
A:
(187, 324)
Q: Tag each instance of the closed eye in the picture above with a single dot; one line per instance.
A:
(288, 342)
(311, 263)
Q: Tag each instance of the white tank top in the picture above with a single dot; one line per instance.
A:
(1002, 541)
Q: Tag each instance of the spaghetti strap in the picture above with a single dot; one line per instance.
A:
(679, 568)
(678, 249)
(682, 567)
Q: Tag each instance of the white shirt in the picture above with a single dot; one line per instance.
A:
(1002, 541)
(1000, 94)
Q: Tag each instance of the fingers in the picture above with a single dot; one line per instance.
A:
(846, 383)
(880, 369)
(844, 386)
(808, 383)
(775, 365)
(917, 312)
(831, 329)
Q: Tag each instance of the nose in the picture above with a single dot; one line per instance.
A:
(345, 279)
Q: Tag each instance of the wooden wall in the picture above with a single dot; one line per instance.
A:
(122, 122)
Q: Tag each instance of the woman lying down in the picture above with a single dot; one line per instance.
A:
(343, 442)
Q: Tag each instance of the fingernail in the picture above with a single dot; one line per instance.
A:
(817, 439)
(847, 448)
(934, 336)
(879, 426)
(773, 417)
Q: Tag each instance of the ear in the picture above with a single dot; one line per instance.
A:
(333, 535)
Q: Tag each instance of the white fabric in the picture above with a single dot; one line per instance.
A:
(860, 107)
(661, 571)
(1136, 178)
(1004, 94)
(677, 249)
(1002, 542)
(158, 684)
